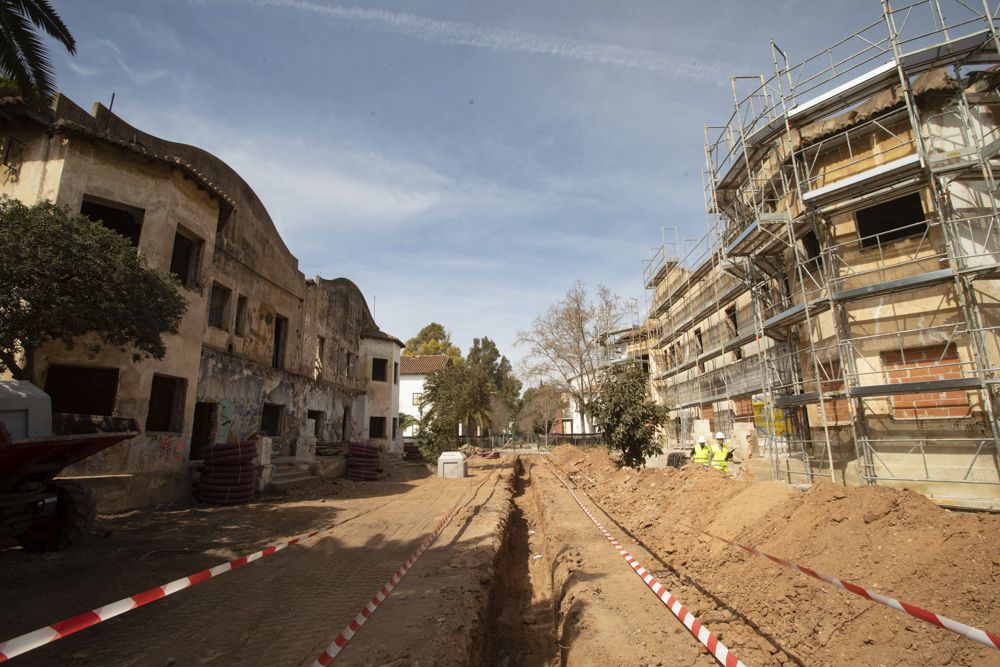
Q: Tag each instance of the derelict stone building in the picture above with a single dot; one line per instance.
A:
(260, 349)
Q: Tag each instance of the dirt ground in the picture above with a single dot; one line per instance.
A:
(895, 542)
(521, 576)
(286, 608)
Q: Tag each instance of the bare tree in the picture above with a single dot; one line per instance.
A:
(564, 343)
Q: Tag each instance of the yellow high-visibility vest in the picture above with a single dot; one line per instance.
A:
(719, 455)
(701, 453)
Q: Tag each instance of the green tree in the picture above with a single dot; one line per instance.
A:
(507, 388)
(63, 276)
(539, 410)
(627, 416)
(23, 56)
(433, 339)
(457, 394)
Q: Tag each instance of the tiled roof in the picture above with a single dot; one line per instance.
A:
(425, 363)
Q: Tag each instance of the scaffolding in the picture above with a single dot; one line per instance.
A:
(866, 341)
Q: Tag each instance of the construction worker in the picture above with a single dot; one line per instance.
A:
(721, 453)
(701, 452)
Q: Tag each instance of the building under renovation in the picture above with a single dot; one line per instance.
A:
(261, 349)
(840, 317)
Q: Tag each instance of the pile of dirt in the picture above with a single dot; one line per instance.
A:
(893, 541)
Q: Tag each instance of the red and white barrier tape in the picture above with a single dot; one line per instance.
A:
(345, 635)
(975, 634)
(694, 626)
(50, 633)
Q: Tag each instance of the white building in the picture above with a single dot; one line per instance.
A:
(412, 373)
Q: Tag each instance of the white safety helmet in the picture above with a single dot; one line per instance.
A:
(701, 439)
(719, 436)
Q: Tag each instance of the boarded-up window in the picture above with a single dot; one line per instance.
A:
(926, 364)
(82, 390)
(218, 307)
(896, 219)
(126, 220)
(376, 427)
(166, 404)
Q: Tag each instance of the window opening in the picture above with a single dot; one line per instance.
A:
(380, 369)
(184, 258)
(127, 221)
(82, 390)
(218, 305)
(280, 335)
(891, 221)
(241, 315)
(166, 404)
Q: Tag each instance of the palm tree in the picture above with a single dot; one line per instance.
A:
(23, 57)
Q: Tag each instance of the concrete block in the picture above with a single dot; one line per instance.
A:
(451, 465)
(330, 467)
(305, 448)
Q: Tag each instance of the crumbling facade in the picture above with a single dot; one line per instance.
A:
(839, 319)
(260, 349)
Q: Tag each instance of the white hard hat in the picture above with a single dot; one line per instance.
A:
(701, 439)
(719, 436)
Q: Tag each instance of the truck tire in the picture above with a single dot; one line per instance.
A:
(75, 513)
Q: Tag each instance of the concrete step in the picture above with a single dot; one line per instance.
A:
(291, 480)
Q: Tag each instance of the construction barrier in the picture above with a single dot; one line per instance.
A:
(975, 634)
(345, 635)
(722, 654)
(50, 633)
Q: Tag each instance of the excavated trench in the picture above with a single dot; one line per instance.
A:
(522, 618)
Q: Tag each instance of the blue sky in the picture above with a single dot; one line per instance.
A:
(462, 162)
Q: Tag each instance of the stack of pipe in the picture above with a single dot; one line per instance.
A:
(362, 461)
(229, 474)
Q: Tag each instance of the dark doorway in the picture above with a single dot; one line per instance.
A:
(270, 419)
(81, 390)
(203, 429)
(319, 421)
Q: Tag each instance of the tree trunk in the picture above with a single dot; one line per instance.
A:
(17, 372)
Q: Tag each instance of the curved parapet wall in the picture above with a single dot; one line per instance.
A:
(243, 218)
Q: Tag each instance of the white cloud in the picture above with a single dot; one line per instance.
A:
(456, 33)
(81, 69)
(137, 76)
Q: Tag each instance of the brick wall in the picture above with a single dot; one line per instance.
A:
(743, 408)
(925, 364)
(835, 411)
(708, 412)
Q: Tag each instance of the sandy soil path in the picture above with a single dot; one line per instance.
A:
(284, 609)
